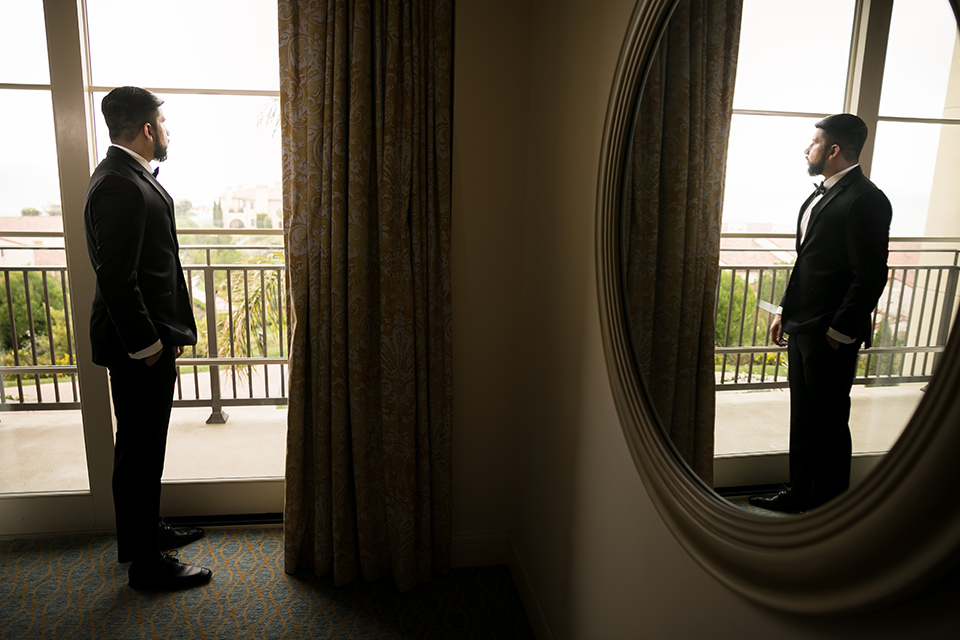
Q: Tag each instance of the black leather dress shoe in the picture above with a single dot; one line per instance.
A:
(170, 538)
(166, 573)
(784, 501)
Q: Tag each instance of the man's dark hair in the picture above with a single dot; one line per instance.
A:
(847, 131)
(127, 109)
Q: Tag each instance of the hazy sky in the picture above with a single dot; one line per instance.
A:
(803, 68)
(216, 141)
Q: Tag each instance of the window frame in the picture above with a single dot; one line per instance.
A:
(67, 35)
(865, 71)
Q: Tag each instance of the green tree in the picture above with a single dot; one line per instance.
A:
(772, 285)
(217, 256)
(739, 320)
(883, 336)
(217, 214)
(256, 304)
(181, 209)
(38, 313)
(735, 310)
(29, 211)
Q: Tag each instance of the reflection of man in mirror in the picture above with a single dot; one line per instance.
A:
(840, 272)
(141, 319)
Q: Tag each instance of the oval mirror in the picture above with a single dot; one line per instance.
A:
(824, 561)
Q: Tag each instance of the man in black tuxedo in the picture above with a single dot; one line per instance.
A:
(840, 272)
(142, 318)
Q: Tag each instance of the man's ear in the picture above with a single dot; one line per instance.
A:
(147, 131)
(834, 152)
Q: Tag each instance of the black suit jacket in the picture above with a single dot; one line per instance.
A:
(141, 294)
(841, 267)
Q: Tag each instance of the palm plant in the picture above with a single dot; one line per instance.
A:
(255, 299)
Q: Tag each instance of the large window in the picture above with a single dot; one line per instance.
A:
(919, 117)
(220, 84)
(795, 67)
(29, 185)
(792, 68)
(35, 324)
(216, 66)
(897, 65)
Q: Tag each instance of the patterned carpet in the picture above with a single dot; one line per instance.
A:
(74, 588)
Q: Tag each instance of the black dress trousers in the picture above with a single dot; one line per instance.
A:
(820, 443)
(142, 400)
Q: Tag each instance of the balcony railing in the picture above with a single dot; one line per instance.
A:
(238, 290)
(911, 322)
(240, 307)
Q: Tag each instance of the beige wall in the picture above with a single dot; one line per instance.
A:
(538, 447)
(489, 186)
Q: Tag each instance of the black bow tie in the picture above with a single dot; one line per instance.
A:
(820, 189)
(156, 171)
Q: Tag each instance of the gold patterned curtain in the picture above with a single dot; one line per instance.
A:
(365, 99)
(671, 223)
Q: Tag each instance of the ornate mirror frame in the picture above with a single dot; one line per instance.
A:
(885, 538)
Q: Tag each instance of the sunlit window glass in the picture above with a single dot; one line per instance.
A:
(29, 182)
(792, 57)
(921, 50)
(23, 43)
(215, 66)
(219, 146)
(188, 44)
(910, 184)
(764, 196)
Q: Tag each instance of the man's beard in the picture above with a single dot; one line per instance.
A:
(814, 167)
(159, 151)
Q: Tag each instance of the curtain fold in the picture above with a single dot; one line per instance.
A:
(671, 224)
(366, 121)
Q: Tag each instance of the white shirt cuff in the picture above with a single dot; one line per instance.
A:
(149, 351)
(839, 337)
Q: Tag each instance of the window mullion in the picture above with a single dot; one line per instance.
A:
(72, 122)
(867, 57)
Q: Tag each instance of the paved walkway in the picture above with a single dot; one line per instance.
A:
(44, 450)
(759, 421)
